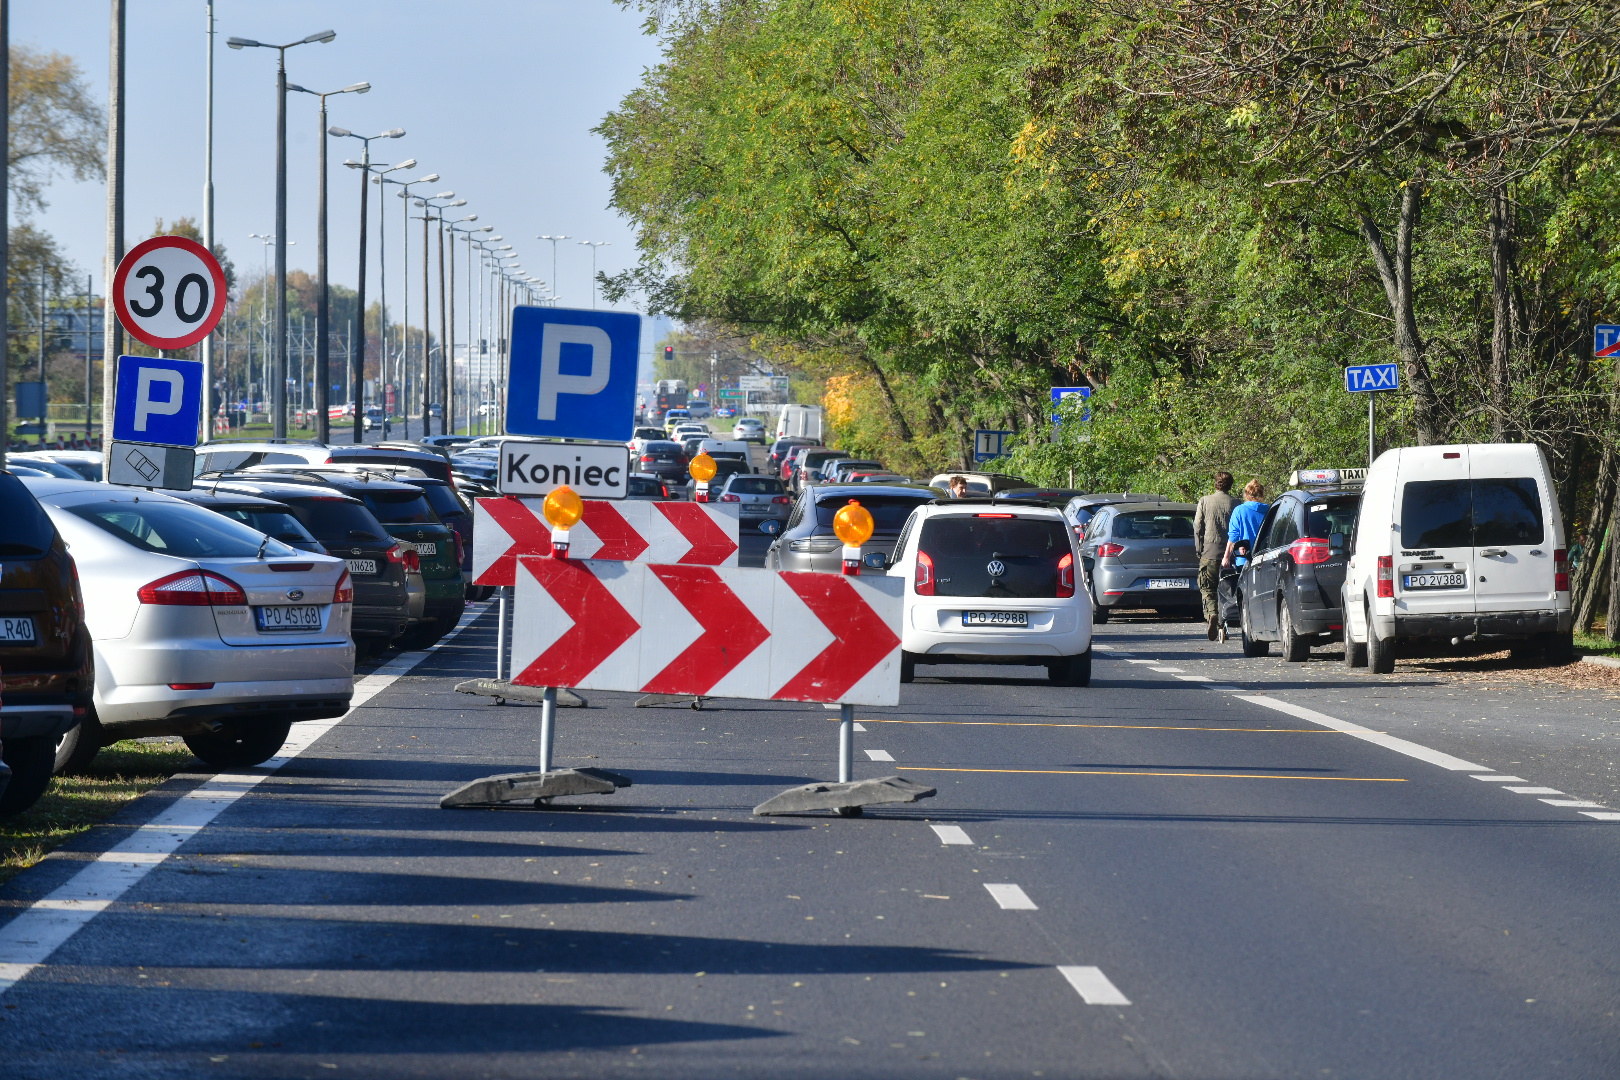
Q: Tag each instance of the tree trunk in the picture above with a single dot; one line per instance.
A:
(1502, 312)
(1587, 585)
(1396, 274)
(888, 396)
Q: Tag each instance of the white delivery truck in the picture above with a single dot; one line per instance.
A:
(799, 422)
(1458, 543)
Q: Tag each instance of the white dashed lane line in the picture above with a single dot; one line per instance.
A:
(1601, 815)
(860, 727)
(951, 834)
(1093, 986)
(1503, 779)
(879, 755)
(1534, 790)
(1011, 897)
(1588, 803)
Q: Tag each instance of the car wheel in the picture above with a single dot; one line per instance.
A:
(79, 747)
(31, 761)
(1355, 652)
(240, 744)
(1099, 614)
(1071, 670)
(1251, 647)
(1295, 649)
(908, 666)
(1380, 650)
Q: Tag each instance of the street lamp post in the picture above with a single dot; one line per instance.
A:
(405, 291)
(427, 324)
(323, 295)
(357, 347)
(593, 245)
(279, 421)
(553, 239)
(446, 320)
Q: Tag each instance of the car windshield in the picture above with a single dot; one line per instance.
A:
(28, 529)
(994, 555)
(1483, 512)
(644, 486)
(889, 512)
(1325, 517)
(755, 485)
(87, 470)
(277, 523)
(179, 529)
(400, 508)
(1154, 525)
(336, 520)
(46, 467)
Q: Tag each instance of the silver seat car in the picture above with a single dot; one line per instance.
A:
(201, 626)
(807, 541)
(1142, 555)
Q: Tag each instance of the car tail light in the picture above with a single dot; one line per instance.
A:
(924, 578)
(1561, 570)
(1310, 549)
(648, 457)
(731, 498)
(191, 588)
(344, 593)
(461, 549)
(1386, 575)
(1065, 586)
(996, 515)
(191, 686)
(1108, 551)
(664, 488)
(782, 500)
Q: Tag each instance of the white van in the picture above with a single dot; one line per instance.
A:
(1458, 543)
(799, 421)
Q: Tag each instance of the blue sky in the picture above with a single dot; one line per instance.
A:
(497, 96)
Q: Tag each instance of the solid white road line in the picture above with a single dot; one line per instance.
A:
(1533, 790)
(880, 755)
(28, 940)
(1588, 803)
(1602, 815)
(1141, 661)
(1193, 678)
(1011, 897)
(1167, 670)
(1377, 738)
(951, 834)
(1093, 986)
(1504, 779)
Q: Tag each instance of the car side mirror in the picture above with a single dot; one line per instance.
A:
(876, 561)
(770, 528)
(1336, 541)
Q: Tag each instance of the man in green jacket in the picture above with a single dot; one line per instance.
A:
(1210, 523)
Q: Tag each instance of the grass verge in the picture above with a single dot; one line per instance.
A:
(1596, 644)
(72, 804)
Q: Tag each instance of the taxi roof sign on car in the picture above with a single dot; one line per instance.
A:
(1301, 478)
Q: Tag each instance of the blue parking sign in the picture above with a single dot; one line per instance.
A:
(573, 373)
(158, 401)
(1061, 392)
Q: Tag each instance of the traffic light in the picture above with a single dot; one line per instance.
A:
(669, 354)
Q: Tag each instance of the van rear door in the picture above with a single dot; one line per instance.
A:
(1513, 534)
(1434, 552)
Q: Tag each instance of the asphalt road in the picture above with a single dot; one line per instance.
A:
(1272, 897)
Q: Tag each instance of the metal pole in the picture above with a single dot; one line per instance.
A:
(112, 332)
(1372, 445)
(500, 633)
(427, 360)
(548, 726)
(5, 222)
(278, 391)
(89, 365)
(357, 348)
(405, 311)
(323, 300)
(846, 743)
(447, 298)
(209, 405)
(45, 397)
(382, 302)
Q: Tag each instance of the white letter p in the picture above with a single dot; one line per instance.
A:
(145, 406)
(553, 382)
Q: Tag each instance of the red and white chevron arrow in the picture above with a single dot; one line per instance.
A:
(702, 630)
(633, 530)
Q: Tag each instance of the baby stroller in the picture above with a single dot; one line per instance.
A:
(1228, 597)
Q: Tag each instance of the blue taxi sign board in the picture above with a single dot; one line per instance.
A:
(1605, 339)
(572, 373)
(988, 444)
(1366, 378)
(1061, 392)
(158, 401)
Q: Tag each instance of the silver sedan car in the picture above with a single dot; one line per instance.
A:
(1141, 555)
(807, 541)
(202, 627)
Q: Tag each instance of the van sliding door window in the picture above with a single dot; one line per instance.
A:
(1491, 512)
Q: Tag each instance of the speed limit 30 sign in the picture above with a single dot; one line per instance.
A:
(169, 292)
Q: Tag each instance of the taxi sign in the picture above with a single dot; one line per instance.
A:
(1326, 477)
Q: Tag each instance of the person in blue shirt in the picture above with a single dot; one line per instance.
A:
(1245, 524)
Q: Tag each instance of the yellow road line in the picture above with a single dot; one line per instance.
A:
(1120, 727)
(1127, 772)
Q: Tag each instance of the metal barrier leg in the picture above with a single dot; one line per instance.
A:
(548, 727)
(500, 636)
(846, 743)
(847, 797)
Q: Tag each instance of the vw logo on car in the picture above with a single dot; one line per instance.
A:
(995, 568)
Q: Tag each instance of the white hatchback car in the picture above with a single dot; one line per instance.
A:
(202, 627)
(992, 583)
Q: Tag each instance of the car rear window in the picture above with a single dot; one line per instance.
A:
(642, 486)
(277, 523)
(89, 470)
(1483, 512)
(889, 512)
(966, 548)
(28, 528)
(434, 466)
(398, 508)
(1325, 517)
(1154, 525)
(663, 450)
(179, 529)
(755, 485)
(334, 520)
(443, 500)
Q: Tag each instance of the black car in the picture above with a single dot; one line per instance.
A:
(780, 450)
(725, 467)
(1289, 589)
(455, 511)
(346, 529)
(1056, 498)
(266, 515)
(664, 460)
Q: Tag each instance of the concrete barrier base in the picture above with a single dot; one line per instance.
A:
(669, 699)
(845, 800)
(535, 787)
(503, 691)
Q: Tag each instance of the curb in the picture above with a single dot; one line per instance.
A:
(1602, 661)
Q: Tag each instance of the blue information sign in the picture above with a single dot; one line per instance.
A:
(988, 444)
(573, 373)
(158, 401)
(1061, 392)
(1365, 378)
(1605, 339)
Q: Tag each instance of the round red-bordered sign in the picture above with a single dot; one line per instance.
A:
(169, 292)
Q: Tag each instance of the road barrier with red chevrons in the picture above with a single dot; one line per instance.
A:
(637, 530)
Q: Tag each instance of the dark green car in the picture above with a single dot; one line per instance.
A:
(404, 511)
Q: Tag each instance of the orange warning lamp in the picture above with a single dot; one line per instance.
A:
(563, 508)
(853, 524)
(703, 468)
